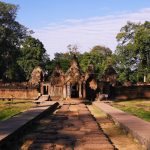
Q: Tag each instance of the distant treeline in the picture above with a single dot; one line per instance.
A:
(20, 53)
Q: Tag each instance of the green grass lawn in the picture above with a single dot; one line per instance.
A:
(139, 108)
(11, 108)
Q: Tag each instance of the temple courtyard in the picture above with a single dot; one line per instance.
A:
(73, 124)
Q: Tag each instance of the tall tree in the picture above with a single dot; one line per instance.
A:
(142, 44)
(133, 51)
(33, 54)
(102, 49)
(11, 35)
(99, 56)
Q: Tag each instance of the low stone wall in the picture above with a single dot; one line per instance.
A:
(19, 93)
(14, 129)
(131, 92)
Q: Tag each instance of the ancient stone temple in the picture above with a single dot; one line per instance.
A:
(75, 84)
(65, 85)
(74, 81)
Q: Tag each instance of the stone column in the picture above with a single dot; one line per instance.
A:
(64, 91)
(80, 91)
(50, 90)
(47, 89)
(84, 90)
(68, 90)
(41, 88)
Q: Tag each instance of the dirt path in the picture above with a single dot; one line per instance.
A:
(71, 128)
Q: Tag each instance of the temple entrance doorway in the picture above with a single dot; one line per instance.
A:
(74, 91)
(45, 90)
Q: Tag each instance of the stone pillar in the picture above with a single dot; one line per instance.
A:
(41, 88)
(64, 91)
(84, 91)
(80, 91)
(47, 89)
(50, 90)
(68, 91)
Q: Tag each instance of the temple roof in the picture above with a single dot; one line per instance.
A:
(57, 76)
(73, 74)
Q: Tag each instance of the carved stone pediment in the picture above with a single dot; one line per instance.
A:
(57, 77)
(73, 74)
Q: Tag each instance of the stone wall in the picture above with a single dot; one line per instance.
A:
(19, 93)
(56, 92)
(130, 92)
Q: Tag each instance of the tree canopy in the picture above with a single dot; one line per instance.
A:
(32, 54)
(20, 53)
(133, 51)
(12, 34)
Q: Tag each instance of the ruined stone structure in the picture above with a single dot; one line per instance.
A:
(72, 84)
(66, 85)
(76, 84)
(24, 90)
(110, 75)
(36, 76)
(54, 87)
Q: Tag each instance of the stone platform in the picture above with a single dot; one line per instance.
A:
(137, 127)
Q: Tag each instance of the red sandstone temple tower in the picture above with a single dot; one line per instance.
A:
(65, 85)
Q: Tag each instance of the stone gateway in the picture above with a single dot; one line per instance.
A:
(66, 85)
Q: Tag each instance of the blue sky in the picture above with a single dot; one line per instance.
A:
(86, 23)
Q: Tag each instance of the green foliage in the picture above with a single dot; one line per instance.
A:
(32, 54)
(11, 36)
(63, 59)
(100, 57)
(142, 43)
(14, 73)
(133, 51)
(95, 58)
(20, 53)
(102, 50)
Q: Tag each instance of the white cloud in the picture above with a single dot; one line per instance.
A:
(87, 33)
